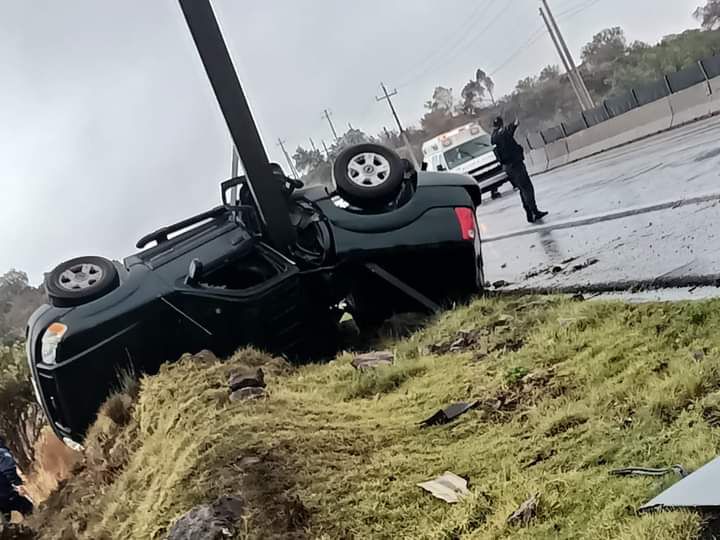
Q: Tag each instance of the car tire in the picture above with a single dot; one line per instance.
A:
(368, 175)
(81, 280)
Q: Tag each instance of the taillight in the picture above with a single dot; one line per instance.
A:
(466, 220)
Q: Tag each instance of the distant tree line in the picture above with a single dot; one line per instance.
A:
(611, 65)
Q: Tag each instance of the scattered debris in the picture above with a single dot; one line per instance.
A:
(582, 266)
(209, 521)
(373, 360)
(247, 461)
(203, 357)
(250, 392)
(237, 381)
(449, 487)
(503, 265)
(499, 284)
(524, 514)
(449, 413)
(405, 324)
(645, 471)
(12, 531)
(697, 490)
(541, 456)
(698, 356)
(562, 268)
(578, 297)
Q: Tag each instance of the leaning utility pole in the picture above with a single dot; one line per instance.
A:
(312, 145)
(326, 115)
(281, 144)
(327, 153)
(583, 89)
(387, 97)
(570, 73)
(235, 162)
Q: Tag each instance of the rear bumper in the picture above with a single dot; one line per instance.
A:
(488, 184)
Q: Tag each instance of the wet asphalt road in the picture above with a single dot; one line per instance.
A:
(672, 246)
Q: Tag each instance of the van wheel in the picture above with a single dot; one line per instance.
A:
(81, 280)
(368, 175)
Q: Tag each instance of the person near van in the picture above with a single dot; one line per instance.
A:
(11, 500)
(512, 158)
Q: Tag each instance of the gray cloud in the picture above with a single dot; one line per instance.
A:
(109, 127)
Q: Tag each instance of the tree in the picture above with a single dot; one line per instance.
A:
(473, 93)
(606, 46)
(307, 160)
(709, 14)
(549, 73)
(442, 100)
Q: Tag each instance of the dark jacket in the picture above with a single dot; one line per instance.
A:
(9, 477)
(507, 149)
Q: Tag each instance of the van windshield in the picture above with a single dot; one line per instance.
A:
(471, 149)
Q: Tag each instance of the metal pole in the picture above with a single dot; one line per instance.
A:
(271, 203)
(583, 88)
(327, 153)
(326, 114)
(570, 74)
(312, 145)
(281, 144)
(387, 97)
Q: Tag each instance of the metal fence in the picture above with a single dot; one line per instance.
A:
(644, 94)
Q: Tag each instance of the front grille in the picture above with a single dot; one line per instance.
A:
(48, 389)
(486, 171)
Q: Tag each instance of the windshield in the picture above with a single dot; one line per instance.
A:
(468, 150)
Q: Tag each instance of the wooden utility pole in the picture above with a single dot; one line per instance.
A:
(387, 97)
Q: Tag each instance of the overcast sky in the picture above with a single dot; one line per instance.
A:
(109, 129)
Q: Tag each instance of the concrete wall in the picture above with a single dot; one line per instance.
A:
(630, 126)
(715, 96)
(537, 161)
(690, 104)
(557, 153)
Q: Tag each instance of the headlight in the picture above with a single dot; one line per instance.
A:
(73, 445)
(50, 341)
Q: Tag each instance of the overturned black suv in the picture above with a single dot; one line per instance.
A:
(273, 266)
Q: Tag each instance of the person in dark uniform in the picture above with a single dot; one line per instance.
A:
(11, 500)
(512, 157)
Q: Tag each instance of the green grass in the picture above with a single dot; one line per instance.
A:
(568, 391)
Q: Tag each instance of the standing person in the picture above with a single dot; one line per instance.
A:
(512, 157)
(11, 500)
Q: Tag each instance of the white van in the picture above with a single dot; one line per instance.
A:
(466, 150)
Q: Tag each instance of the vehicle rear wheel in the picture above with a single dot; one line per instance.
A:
(368, 174)
(81, 280)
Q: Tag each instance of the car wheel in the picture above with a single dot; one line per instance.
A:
(81, 280)
(368, 175)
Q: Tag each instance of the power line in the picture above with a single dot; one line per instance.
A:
(458, 44)
(387, 97)
(326, 115)
(534, 37)
(281, 144)
(540, 33)
(460, 31)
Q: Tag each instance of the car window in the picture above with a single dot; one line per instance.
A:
(469, 150)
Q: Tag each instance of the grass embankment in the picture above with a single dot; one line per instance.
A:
(568, 391)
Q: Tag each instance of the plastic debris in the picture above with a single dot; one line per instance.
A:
(448, 487)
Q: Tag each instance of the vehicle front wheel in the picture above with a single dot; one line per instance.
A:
(368, 174)
(81, 280)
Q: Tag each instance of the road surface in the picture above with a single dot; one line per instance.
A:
(676, 245)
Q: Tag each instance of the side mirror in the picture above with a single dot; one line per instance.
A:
(424, 166)
(195, 270)
(230, 190)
